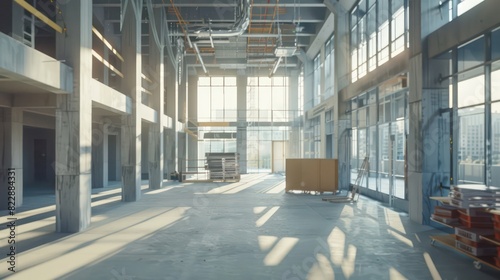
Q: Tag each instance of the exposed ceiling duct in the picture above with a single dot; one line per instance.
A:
(237, 29)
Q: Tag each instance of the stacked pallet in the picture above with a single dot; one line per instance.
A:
(223, 166)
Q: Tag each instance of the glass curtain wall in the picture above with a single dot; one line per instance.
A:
(471, 112)
(379, 129)
(478, 110)
(216, 103)
(317, 81)
(379, 31)
(268, 119)
(217, 99)
(329, 67)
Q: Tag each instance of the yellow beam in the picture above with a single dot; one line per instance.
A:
(190, 133)
(108, 44)
(106, 63)
(213, 123)
(39, 15)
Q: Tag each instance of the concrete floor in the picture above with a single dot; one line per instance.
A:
(245, 230)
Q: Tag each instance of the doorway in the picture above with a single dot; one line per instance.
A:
(40, 159)
(279, 153)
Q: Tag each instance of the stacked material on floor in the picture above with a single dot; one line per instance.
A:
(475, 196)
(223, 166)
(468, 240)
(475, 220)
(496, 227)
(446, 214)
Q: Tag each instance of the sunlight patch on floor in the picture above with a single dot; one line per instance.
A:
(322, 269)
(107, 200)
(259, 209)
(349, 262)
(242, 187)
(29, 213)
(347, 212)
(400, 238)
(280, 251)
(262, 220)
(432, 268)
(393, 220)
(336, 241)
(394, 274)
(66, 255)
(160, 190)
(266, 242)
(278, 189)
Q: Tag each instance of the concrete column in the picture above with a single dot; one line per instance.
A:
(74, 121)
(192, 144)
(342, 124)
(322, 151)
(171, 111)
(131, 124)
(11, 156)
(181, 119)
(428, 139)
(294, 143)
(98, 155)
(156, 61)
(241, 130)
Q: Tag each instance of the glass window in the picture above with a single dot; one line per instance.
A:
(495, 45)
(471, 145)
(471, 89)
(471, 54)
(230, 81)
(264, 81)
(217, 81)
(495, 151)
(495, 81)
(465, 5)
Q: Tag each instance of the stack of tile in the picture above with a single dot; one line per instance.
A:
(446, 214)
(475, 196)
(475, 221)
(496, 226)
(468, 240)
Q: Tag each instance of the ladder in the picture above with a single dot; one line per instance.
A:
(362, 172)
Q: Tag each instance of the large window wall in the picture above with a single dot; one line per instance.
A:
(329, 68)
(379, 31)
(267, 99)
(455, 8)
(217, 99)
(266, 120)
(317, 80)
(312, 138)
(477, 108)
(267, 113)
(379, 129)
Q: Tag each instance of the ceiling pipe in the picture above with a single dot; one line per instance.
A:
(237, 29)
(198, 54)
